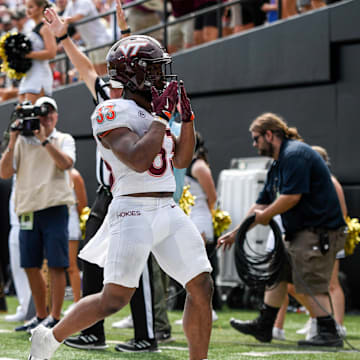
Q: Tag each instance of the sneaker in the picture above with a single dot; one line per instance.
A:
(31, 324)
(313, 330)
(49, 322)
(43, 344)
(305, 329)
(254, 328)
(86, 341)
(327, 339)
(341, 330)
(138, 346)
(163, 336)
(126, 323)
(278, 334)
(18, 316)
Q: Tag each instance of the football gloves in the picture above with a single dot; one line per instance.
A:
(164, 104)
(187, 114)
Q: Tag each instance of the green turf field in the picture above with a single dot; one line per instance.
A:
(226, 343)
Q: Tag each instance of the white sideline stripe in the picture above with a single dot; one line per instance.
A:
(8, 359)
(160, 347)
(290, 352)
(3, 331)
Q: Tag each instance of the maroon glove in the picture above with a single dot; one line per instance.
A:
(163, 105)
(187, 114)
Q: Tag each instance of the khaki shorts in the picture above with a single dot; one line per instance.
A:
(181, 34)
(139, 20)
(99, 56)
(309, 270)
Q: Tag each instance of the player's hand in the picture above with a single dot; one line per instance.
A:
(163, 105)
(56, 25)
(226, 240)
(120, 16)
(187, 114)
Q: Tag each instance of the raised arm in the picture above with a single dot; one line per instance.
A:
(81, 62)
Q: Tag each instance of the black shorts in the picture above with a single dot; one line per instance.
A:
(252, 13)
(208, 19)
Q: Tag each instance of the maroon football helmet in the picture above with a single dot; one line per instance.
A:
(139, 62)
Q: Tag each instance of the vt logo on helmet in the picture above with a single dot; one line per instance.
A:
(139, 62)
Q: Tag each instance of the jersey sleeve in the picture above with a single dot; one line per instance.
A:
(109, 115)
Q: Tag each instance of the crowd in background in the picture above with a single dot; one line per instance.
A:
(14, 17)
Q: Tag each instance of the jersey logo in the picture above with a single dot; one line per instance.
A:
(134, 46)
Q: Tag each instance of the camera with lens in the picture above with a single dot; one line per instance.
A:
(28, 116)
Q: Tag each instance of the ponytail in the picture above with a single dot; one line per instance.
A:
(274, 123)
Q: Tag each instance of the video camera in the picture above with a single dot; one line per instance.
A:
(28, 116)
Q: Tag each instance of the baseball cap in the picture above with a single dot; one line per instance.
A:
(46, 100)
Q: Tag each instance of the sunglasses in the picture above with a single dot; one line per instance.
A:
(256, 138)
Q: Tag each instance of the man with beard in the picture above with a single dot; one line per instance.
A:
(299, 187)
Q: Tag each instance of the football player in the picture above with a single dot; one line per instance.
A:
(134, 139)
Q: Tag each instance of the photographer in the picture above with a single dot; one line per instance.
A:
(40, 157)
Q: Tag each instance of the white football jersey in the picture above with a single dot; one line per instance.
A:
(115, 113)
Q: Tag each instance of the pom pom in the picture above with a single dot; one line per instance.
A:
(13, 48)
(221, 221)
(84, 216)
(187, 200)
(353, 237)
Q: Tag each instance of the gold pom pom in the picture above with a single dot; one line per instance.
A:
(11, 73)
(187, 200)
(353, 237)
(84, 216)
(221, 221)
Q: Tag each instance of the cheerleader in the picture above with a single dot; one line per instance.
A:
(38, 80)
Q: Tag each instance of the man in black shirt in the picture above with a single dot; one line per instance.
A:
(298, 187)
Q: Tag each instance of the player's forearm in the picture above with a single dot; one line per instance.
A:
(139, 154)
(82, 63)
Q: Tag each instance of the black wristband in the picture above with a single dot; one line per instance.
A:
(45, 142)
(126, 31)
(58, 39)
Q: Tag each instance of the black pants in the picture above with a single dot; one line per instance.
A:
(141, 303)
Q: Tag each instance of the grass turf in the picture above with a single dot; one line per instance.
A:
(226, 343)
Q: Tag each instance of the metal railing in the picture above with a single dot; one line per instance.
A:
(164, 25)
